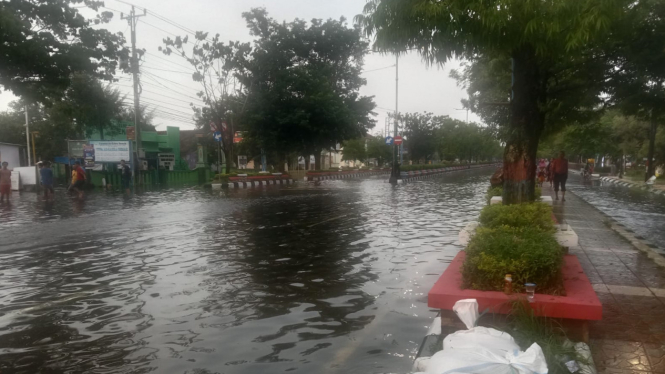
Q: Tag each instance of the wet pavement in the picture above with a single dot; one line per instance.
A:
(631, 336)
(641, 211)
(311, 279)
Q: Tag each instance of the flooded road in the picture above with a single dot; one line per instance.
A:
(639, 210)
(311, 279)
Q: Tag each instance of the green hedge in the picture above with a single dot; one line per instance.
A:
(528, 254)
(519, 216)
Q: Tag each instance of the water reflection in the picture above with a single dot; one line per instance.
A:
(328, 278)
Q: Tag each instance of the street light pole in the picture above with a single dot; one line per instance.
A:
(395, 174)
(27, 134)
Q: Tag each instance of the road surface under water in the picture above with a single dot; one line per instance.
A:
(639, 210)
(312, 279)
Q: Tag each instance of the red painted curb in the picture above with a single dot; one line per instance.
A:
(581, 302)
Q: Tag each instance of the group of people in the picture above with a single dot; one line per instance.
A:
(555, 171)
(79, 178)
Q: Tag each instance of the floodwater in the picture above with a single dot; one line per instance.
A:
(328, 278)
(639, 210)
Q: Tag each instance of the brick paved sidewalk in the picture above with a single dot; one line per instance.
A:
(631, 336)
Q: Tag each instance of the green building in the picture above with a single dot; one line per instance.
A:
(152, 143)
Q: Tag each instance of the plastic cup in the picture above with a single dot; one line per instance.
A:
(530, 291)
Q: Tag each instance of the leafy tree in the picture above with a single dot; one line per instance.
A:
(216, 68)
(88, 106)
(377, 149)
(354, 149)
(44, 42)
(419, 131)
(547, 43)
(636, 52)
(303, 84)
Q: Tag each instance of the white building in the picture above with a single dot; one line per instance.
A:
(14, 154)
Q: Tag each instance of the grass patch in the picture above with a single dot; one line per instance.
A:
(528, 254)
(526, 329)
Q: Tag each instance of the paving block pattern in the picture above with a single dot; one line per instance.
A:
(631, 336)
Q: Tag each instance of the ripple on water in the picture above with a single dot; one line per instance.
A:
(306, 278)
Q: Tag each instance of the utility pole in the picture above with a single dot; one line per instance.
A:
(132, 19)
(395, 174)
(27, 134)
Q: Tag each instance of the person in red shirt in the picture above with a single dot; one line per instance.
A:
(560, 170)
(78, 179)
(5, 182)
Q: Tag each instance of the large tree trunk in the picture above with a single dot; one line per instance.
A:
(651, 169)
(317, 159)
(306, 162)
(526, 126)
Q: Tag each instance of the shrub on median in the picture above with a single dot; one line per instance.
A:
(498, 191)
(532, 215)
(527, 253)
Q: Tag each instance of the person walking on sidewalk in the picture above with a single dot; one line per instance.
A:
(560, 170)
(5, 182)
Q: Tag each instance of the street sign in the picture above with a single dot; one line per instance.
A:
(398, 140)
(389, 140)
(131, 132)
(224, 127)
(213, 127)
(217, 135)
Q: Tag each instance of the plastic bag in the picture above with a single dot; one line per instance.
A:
(484, 361)
(482, 350)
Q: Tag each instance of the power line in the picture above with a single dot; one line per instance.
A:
(160, 86)
(168, 80)
(171, 71)
(167, 110)
(385, 67)
(158, 28)
(167, 60)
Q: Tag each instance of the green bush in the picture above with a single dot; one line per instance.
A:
(493, 191)
(526, 253)
(531, 215)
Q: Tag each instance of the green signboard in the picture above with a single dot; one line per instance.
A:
(75, 148)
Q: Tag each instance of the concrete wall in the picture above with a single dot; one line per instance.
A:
(10, 153)
(28, 175)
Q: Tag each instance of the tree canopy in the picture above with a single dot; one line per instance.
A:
(543, 46)
(44, 42)
(303, 84)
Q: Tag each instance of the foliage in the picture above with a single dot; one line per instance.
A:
(86, 107)
(377, 149)
(216, 68)
(527, 253)
(419, 131)
(547, 47)
(533, 215)
(493, 191)
(303, 82)
(466, 141)
(44, 42)
(354, 149)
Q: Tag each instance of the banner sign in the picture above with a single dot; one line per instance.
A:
(89, 155)
(237, 137)
(111, 151)
(75, 148)
(242, 162)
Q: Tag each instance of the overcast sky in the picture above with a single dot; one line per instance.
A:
(168, 87)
